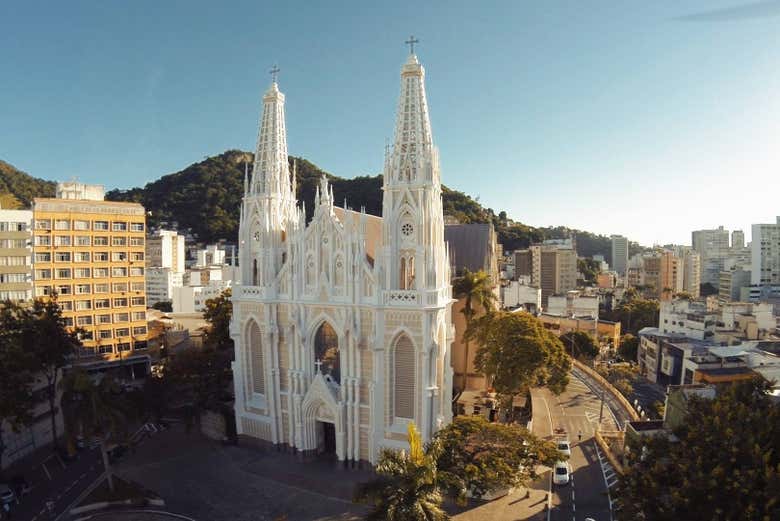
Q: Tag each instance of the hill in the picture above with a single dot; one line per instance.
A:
(205, 198)
(17, 188)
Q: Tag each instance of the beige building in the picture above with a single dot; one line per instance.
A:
(165, 249)
(90, 253)
(15, 255)
(558, 271)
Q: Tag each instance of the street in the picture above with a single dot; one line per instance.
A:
(576, 410)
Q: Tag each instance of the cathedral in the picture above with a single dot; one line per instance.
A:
(342, 325)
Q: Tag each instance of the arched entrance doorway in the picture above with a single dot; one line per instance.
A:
(326, 351)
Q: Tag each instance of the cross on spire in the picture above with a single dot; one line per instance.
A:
(274, 72)
(318, 363)
(410, 42)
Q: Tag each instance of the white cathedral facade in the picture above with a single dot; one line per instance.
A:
(342, 325)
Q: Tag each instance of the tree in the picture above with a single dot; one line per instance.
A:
(722, 463)
(476, 456)
(218, 313)
(93, 408)
(517, 352)
(200, 378)
(635, 313)
(580, 344)
(406, 487)
(629, 347)
(589, 269)
(51, 346)
(620, 376)
(476, 290)
(166, 306)
(16, 398)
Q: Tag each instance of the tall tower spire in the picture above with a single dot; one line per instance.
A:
(271, 175)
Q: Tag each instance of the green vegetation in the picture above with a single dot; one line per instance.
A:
(621, 376)
(635, 313)
(629, 347)
(17, 188)
(476, 290)
(218, 313)
(517, 352)
(722, 463)
(580, 344)
(166, 306)
(589, 269)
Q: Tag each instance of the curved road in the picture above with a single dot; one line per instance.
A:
(576, 411)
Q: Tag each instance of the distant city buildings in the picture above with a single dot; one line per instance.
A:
(713, 247)
(619, 254)
(15, 255)
(765, 254)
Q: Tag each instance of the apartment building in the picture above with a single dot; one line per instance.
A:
(619, 254)
(165, 249)
(765, 254)
(713, 246)
(691, 262)
(91, 255)
(15, 255)
(558, 271)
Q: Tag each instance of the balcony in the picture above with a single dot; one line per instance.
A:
(248, 292)
(401, 297)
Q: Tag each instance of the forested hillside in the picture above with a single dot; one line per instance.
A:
(205, 198)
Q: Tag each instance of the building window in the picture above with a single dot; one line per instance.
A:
(83, 289)
(107, 349)
(139, 315)
(83, 240)
(82, 256)
(101, 288)
(122, 346)
(101, 256)
(139, 330)
(84, 321)
(103, 319)
(136, 227)
(100, 240)
(120, 302)
(82, 273)
(137, 301)
(403, 367)
(62, 224)
(118, 241)
(68, 321)
(43, 224)
(105, 333)
(118, 256)
(43, 291)
(101, 225)
(326, 351)
(100, 273)
(66, 305)
(42, 240)
(255, 344)
(42, 274)
(136, 256)
(136, 241)
(123, 331)
(102, 303)
(119, 287)
(62, 240)
(64, 289)
(118, 271)
(121, 317)
(136, 272)
(83, 305)
(62, 256)
(137, 286)
(119, 227)
(81, 225)
(63, 273)
(40, 257)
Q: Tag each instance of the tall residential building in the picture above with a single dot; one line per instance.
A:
(528, 263)
(691, 261)
(765, 254)
(731, 283)
(619, 254)
(15, 255)
(737, 239)
(90, 253)
(165, 249)
(713, 246)
(558, 269)
(670, 277)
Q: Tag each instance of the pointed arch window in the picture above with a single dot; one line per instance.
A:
(326, 351)
(255, 348)
(406, 273)
(403, 377)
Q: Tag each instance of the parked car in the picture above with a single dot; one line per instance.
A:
(564, 447)
(7, 495)
(561, 473)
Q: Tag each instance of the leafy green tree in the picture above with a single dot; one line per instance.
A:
(517, 352)
(635, 313)
(218, 313)
(94, 408)
(620, 376)
(629, 347)
(166, 306)
(198, 378)
(16, 398)
(406, 487)
(476, 290)
(51, 346)
(581, 344)
(589, 269)
(723, 462)
(474, 455)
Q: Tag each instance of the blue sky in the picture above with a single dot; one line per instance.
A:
(648, 119)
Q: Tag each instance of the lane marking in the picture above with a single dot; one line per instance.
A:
(604, 475)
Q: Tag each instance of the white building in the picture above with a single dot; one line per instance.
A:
(573, 304)
(691, 319)
(160, 283)
(765, 254)
(210, 256)
(82, 191)
(713, 246)
(520, 294)
(619, 254)
(691, 265)
(342, 325)
(15, 255)
(192, 299)
(165, 249)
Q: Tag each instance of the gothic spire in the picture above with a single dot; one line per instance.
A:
(271, 175)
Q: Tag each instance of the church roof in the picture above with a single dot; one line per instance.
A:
(373, 229)
(471, 245)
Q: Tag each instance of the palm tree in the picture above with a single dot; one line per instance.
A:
(476, 288)
(93, 408)
(406, 487)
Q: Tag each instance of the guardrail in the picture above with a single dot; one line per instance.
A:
(608, 387)
(613, 460)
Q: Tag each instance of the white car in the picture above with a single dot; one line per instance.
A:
(564, 446)
(561, 473)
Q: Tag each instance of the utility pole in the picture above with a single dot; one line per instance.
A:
(601, 409)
